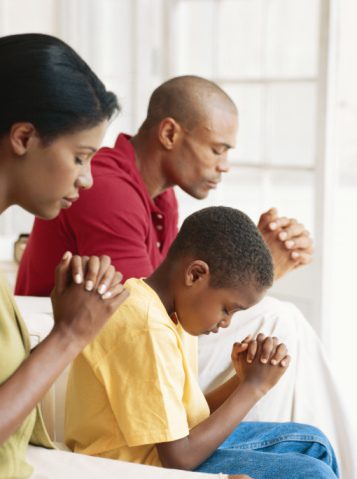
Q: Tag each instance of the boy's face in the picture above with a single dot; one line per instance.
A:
(202, 309)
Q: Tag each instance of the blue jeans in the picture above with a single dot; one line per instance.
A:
(274, 451)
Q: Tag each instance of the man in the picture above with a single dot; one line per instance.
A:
(131, 215)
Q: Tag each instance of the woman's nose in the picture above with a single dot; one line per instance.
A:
(85, 179)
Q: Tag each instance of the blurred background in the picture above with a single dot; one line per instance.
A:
(291, 67)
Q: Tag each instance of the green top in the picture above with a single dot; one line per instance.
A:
(14, 349)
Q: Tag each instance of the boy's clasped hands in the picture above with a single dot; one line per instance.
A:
(260, 362)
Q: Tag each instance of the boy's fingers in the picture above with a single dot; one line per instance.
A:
(286, 361)
(252, 350)
(238, 348)
(260, 337)
(266, 349)
(61, 274)
(280, 353)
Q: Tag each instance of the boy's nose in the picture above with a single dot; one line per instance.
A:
(225, 323)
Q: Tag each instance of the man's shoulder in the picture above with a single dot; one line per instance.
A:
(118, 160)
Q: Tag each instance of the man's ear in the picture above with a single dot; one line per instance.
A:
(20, 137)
(197, 272)
(169, 133)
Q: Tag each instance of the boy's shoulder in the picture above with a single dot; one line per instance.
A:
(143, 303)
(141, 314)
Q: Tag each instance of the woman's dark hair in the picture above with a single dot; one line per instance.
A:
(45, 82)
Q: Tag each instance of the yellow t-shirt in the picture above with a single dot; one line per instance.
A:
(135, 385)
(14, 348)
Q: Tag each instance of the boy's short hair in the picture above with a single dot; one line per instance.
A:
(230, 243)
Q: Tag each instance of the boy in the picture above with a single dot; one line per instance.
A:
(133, 393)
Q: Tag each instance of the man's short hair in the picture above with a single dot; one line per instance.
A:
(230, 243)
(187, 99)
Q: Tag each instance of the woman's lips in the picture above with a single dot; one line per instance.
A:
(68, 201)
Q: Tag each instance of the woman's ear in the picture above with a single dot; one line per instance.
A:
(169, 133)
(197, 272)
(20, 137)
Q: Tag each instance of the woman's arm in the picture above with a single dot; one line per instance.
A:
(79, 315)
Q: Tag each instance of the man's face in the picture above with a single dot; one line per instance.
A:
(200, 157)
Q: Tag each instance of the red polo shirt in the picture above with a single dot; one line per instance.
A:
(115, 217)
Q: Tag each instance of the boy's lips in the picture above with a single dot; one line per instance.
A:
(214, 330)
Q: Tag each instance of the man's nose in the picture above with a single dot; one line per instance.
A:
(223, 165)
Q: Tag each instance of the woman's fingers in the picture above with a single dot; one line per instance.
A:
(61, 273)
(77, 269)
(115, 287)
(91, 274)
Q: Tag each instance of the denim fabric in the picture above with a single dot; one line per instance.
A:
(274, 451)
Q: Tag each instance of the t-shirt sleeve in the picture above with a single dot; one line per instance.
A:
(110, 219)
(145, 379)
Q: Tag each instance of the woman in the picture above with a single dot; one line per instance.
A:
(53, 115)
(54, 112)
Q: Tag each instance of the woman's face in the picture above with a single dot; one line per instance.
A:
(50, 177)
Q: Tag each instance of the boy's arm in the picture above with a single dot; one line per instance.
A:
(216, 397)
(189, 452)
(256, 378)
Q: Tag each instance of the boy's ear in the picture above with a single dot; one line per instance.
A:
(169, 133)
(20, 137)
(197, 271)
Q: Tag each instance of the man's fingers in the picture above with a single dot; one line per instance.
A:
(281, 222)
(292, 231)
(267, 218)
(301, 258)
(301, 243)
